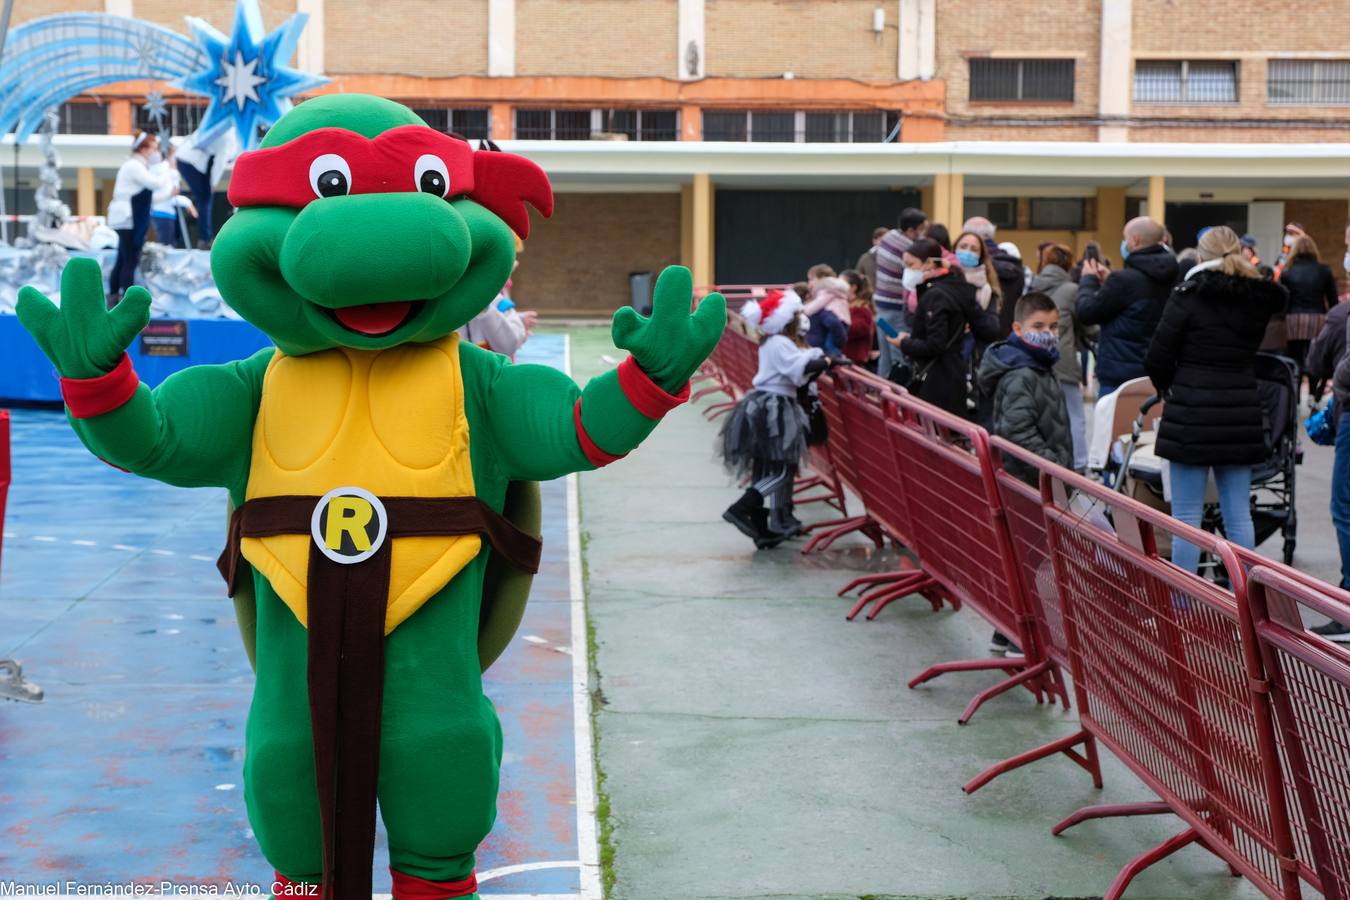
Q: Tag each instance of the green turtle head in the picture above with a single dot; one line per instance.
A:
(360, 226)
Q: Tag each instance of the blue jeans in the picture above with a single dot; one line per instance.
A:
(1340, 493)
(890, 355)
(1188, 505)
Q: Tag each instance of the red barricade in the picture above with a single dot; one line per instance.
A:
(4, 470)
(1309, 679)
(1169, 680)
(1025, 518)
(962, 540)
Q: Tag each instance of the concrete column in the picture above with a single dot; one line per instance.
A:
(701, 231)
(502, 38)
(691, 123)
(1115, 82)
(309, 53)
(501, 124)
(926, 197)
(1110, 214)
(85, 204)
(949, 200)
(690, 47)
(118, 8)
(917, 48)
(687, 225)
(1157, 197)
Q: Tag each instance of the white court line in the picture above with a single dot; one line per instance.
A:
(200, 558)
(45, 538)
(503, 871)
(588, 846)
(162, 552)
(85, 543)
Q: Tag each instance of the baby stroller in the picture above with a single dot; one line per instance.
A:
(1273, 481)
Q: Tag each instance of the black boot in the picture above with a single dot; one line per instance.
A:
(748, 515)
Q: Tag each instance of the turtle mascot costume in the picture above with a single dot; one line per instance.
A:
(369, 458)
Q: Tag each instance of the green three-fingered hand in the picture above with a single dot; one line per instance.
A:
(83, 338)
(671, 344)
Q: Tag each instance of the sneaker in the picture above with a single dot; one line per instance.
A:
(999, 645)
(1333, 631)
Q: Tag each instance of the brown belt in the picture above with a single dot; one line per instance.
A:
(346, 655)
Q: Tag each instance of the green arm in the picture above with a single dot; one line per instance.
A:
(193, 430)
(532, 408)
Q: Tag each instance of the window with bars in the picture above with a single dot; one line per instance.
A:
(583, 124)
(797, 126)
(1022, 79)
(1309, 82)
(1185, 81)
(468, 123)
(180, 119)
(1002, 211)
(1058, 213)
(83, 118)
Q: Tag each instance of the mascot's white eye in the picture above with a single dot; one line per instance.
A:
(431, 175)
(330, 176)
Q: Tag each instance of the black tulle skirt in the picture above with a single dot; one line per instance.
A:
(763, 428)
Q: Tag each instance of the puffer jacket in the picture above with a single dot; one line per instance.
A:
(1203, 360)
(1054, 282)
(1029, 406)
(1127, 306)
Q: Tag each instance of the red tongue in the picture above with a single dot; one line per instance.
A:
(373, 318)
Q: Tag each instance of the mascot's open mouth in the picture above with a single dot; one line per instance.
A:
(375, 319)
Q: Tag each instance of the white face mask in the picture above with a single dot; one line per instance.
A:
(911, 278)
(803, 323)
(1345, 263)
(156, 157)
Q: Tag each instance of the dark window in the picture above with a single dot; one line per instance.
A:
(84, 118)
(772, 125)
(180, 119)
(873, 127)
(641, 124)
(470, 123)
(436, 118)
(1309, 82)
(827, 127)
(1021, 79)
(858, 126)
(725, 125)
(553, 124)
(1185, 81)
(1002, 211)
(1058, 213)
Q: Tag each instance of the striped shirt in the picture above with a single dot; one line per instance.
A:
(890, 268)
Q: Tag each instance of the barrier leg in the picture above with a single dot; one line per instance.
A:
(718, 409)
(1018, 674)
(1143, 861)
(911, 583)
(833, 530)
(1065, 745)
(708, 391)
(876, 578)
(1029, 674)
(1112, 811)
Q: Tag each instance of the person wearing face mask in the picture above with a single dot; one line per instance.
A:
(947, 306)
(891, 294)
(1129, 303)
(129, 211)
(1202, 359)
(972, 256)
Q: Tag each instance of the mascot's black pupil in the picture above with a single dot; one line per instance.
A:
(332, 183)
(433, 182)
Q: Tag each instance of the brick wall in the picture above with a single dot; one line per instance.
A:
(810, 38)
(993, 132)
(217, 13)
(1290, 133)
(597, 37)
(1184, 25)
(406, 37)
(579, 259)
(36, 9)
(1066, 29)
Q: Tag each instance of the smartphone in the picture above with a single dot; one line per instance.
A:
(1092, 252)
(887, 328)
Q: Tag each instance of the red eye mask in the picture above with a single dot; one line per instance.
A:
(334, 161)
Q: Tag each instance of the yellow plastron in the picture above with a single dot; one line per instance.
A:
(390, 421)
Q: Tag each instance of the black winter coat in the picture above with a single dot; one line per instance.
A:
(946, 306)
(1311, 286)
(1012, 281)
(1202, 359)
(1127, 306)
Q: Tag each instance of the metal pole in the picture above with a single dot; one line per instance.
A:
(4, 220)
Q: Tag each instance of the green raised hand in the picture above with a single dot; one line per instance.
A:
(83, 338)
(671, 344)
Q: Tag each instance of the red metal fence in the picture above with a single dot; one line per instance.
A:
(1216, 696)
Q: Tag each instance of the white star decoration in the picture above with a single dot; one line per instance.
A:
(155, 106)
(239, 80)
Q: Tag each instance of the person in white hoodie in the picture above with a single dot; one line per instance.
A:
(129, 211)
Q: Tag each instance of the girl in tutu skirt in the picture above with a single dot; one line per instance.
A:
(765, 434)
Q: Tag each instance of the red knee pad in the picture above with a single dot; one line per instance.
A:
(410, 887)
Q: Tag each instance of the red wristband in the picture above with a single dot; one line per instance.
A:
(598, 457)
(410, 887)
(90, 397)
(646, 395)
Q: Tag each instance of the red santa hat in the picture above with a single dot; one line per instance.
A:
(772, 314)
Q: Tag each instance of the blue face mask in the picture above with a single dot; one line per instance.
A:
(1042, 340)
(968, 259)
(1124, 250)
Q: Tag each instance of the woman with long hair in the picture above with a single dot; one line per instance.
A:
(973, 258)
(862, 326)
(1203, 359)
(1312, 294)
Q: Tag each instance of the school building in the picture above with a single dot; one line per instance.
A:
(752, 138)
